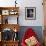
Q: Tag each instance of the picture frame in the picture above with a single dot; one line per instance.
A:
(30, 13)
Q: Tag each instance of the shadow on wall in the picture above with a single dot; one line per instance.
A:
(37, 29)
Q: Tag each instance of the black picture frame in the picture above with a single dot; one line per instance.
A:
(30, 13)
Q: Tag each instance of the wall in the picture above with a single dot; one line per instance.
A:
(39, 12)
(27, 3)
(36, 29)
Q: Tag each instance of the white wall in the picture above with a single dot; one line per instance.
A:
(39, 12)
(27, 3)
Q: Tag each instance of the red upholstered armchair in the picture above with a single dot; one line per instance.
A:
(30, 39)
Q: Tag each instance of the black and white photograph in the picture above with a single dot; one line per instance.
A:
(30, 13)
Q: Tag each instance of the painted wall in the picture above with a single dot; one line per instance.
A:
(39, 13)
(26, 3)
(37, 29)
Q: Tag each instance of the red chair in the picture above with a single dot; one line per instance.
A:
(29, 33)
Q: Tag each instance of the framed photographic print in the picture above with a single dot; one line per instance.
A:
(30, 13)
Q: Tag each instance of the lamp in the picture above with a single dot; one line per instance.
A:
(15, 3)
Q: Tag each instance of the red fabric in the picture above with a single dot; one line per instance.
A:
(28, 33)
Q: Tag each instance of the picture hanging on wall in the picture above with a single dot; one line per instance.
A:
(30, 13)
